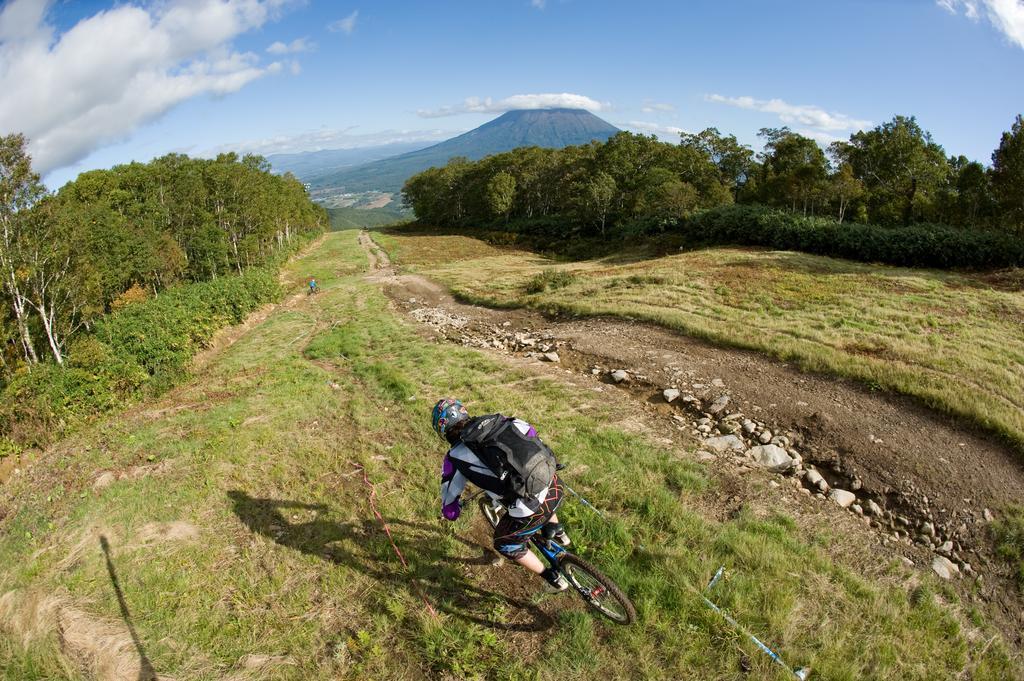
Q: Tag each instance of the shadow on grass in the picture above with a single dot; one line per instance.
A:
(440, 573)
(146, 671)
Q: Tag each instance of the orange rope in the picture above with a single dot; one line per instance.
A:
(387, 530)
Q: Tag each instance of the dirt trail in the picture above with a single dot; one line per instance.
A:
(930, 474)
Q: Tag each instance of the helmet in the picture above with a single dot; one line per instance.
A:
(447, 412)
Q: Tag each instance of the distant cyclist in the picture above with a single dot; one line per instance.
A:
(504, 457)
(313, 286)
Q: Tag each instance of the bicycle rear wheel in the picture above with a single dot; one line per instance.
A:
(600, 592)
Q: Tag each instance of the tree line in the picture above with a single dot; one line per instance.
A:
(892, 175)
(115, 237)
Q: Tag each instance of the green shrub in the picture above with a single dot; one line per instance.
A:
(146, 345)
(162, 334)
(550, 280)
(920, 245)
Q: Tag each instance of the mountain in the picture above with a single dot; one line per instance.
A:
(309, 165)
(554, 128)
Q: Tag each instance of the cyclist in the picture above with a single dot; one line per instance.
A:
(312, 285)
(525, 514)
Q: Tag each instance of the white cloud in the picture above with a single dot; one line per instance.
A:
(117, 69)
(330, 138)
(1005, 15)
(346, 25)
(539, 4)
(657, 107)
(803, 114)
(666, 132)
(562, 100)
(822, 138)
(297, 45)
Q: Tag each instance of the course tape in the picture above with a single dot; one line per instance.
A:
(373, 506)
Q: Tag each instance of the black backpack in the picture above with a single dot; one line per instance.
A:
(525, 464)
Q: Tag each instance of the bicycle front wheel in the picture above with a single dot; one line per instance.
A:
(600, 592)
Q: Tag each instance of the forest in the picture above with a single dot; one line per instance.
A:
(894, 181)
(111, 282)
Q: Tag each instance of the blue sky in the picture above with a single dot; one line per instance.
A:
(99, 83)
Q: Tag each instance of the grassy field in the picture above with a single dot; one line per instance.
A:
(239, 542)
(955, 341)
(359, 218)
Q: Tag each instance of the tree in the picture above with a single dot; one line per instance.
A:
(1008, 175)
(20, 188)
(664, 196)
(501, 192)
(900, 166)
(794, 170)
(733, 160)
(597, 198)
(844, 188)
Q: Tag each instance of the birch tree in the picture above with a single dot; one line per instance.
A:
(20, 188)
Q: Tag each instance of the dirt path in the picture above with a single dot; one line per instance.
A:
(935, 480)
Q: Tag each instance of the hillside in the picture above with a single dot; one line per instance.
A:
(228, 528)
(364, 218)
(309, 165)
(554, 128)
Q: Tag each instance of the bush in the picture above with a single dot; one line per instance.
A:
(550, 280)
(920, 245)
(146, 345)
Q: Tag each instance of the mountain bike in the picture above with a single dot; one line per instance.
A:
(597, 591)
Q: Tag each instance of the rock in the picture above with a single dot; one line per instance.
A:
(842, 497)
(765, 437)
(620, 376)
(718, 383)
(595, 372)
(946, 548)
(728, 427)
(670, 395)
(814, 478)
(106, 479)
(718, 405)
(928, 529)
(551, 357)
(724, 443)
(944, 567)
(781, 440)
(906, 561)
(872, 508)
(749, 427)
(987, 514)
(704, 455)
(704, 428)
(858, 509)
(772, 457)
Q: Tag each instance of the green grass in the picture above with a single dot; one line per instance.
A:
(260, 453)
(1009, 536)
(954, 341)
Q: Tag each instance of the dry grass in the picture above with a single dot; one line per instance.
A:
(955, 341)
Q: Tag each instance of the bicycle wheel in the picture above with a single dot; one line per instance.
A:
(600, 593)
(492, 514)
